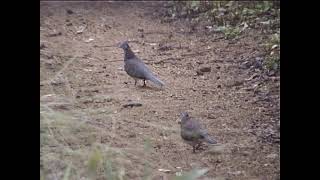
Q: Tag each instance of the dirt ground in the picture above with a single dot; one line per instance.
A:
(83, 66)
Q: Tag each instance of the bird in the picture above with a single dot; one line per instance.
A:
(192, 133)
(136, 68)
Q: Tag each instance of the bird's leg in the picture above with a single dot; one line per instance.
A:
(201, 146)
(135, 82)
(198, 146)
(144, 83)
(194, 149)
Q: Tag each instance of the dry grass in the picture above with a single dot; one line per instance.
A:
(72, 148)
(69, 141)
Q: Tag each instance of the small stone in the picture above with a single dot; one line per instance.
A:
(62, 107)
(109, 99)
(162, 134)
(236, 172)
(245, 153)
(42, 46)
(205, 69)
(69, 11)
(234, 83)
(69, 24)
(55, 34)
(57, 82)
(132, 135)
(107, 26)
(211, 116)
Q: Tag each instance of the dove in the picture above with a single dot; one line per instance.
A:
(192, 133)
(136, 68)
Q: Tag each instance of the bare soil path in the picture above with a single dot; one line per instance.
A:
(86, 69)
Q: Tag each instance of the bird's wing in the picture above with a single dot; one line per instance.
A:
(135, 67)
(191, 130)
(203, 132)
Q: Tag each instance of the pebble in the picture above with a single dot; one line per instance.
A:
(205, 69)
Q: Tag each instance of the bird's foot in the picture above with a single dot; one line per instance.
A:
(199, 146)
(144, 86)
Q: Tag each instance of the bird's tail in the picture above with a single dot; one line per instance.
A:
(210, 140)
(156, 80)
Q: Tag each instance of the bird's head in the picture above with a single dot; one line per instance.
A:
(124, 45)
(183, 117)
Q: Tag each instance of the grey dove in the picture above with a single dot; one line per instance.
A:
(136, 68)
(192, 133)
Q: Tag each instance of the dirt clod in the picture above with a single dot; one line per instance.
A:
(42, 46)
(205, 69)
(55, 34)
(69, 11)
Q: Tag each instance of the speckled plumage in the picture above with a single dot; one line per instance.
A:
(192, 133)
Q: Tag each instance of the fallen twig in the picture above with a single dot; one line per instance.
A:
(131, 105)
